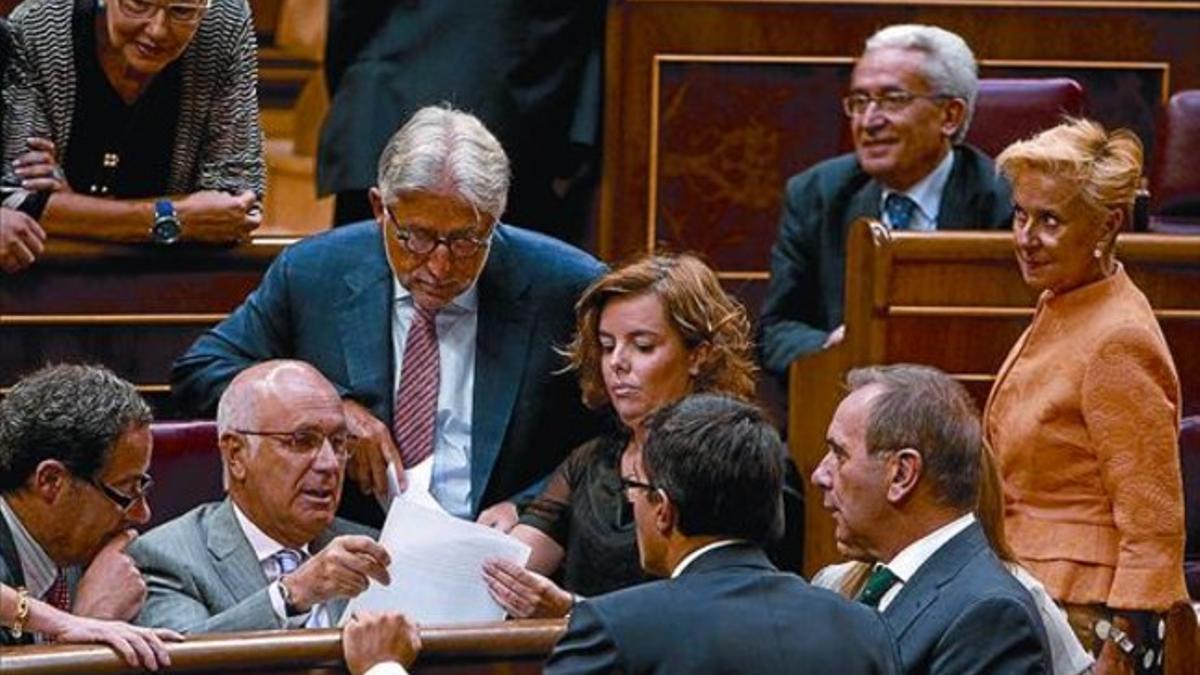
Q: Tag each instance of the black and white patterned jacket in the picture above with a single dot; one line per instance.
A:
(218, 137)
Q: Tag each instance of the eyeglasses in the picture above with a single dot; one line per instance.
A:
(423, 242)
(125, 501)
(186, 13)
(309, 442)
(889, 103)
(628, 484)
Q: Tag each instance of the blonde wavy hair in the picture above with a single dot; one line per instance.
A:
(696, 306)
(1105, 165)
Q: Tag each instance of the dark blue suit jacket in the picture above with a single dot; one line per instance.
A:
(805, 300)
(328, 300)
(963, 613)
(730, 612)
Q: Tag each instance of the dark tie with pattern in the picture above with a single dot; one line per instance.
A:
(416, 398)
(899, 209)
(877, 586)
(59, 594)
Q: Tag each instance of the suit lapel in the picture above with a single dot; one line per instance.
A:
(922, 590)
(366, 324)
(501, 349)
(959, 195)
(11, 572)
(233, 557)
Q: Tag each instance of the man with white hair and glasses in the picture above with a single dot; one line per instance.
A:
(911, 98)
(436, 323)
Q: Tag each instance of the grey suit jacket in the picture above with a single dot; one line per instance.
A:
(963, 613)
(202, 575)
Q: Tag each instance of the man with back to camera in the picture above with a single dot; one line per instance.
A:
(436, 323)
(911, 99)
(902, 476)
(706, 495)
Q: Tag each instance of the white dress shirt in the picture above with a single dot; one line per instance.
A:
(912, 557)
(264, 548)
(457, 326)
(927, 193)
(386, 668)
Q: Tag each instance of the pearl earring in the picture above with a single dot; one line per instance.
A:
(1097, 253)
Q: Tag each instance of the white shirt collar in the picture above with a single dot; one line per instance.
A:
(927, 192)
(906, 563)
(264, 546)
(467, 301)
(691, 557)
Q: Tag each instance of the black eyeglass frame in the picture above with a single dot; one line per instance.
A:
(407, 235)
(123, 501)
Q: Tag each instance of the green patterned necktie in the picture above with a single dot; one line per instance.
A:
(877, 586)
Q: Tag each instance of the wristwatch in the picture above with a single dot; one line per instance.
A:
(167, 228)
(289, 607)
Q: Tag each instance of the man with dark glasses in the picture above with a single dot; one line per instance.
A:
(74, 453)
(437, 324)
(707, 495)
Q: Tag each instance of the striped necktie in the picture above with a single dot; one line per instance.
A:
(415, 414)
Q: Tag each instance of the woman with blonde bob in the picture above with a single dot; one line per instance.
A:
(648, 334)
(1084, 415)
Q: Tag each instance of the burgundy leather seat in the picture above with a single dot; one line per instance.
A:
(186, 466)
(1009, 110)
(1174, 181)
(1189, 454)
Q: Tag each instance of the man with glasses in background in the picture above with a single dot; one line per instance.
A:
(74, 453)
(272, 554)
(911, 98)
(436, 324)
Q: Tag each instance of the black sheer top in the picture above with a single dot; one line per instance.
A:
(118, 150)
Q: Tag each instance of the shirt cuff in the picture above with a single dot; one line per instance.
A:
(386, 668)
(280, 608)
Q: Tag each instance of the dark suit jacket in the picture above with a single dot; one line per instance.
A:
(202, 575)
(530, 70)
(328, 301)
(12, 575)
(964, 613)
(805, 300)
(730, 611)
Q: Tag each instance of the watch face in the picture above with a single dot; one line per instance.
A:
(166, 230)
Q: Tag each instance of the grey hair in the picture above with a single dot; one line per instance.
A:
(441, 149)
(921, 407)
(949, 65)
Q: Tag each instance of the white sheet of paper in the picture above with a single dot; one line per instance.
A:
(420, 477)
(437, 567)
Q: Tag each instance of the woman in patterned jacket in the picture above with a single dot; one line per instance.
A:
(135, 120)
(1084, 415)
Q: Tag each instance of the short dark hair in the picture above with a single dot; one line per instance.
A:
(71, 413)
(925, 409)
(721, 462)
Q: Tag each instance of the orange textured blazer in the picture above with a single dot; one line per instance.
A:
(1084, 422)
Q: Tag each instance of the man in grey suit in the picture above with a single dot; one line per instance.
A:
(707, 493)
(901, 477)
(272, 554)
(910, 104)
